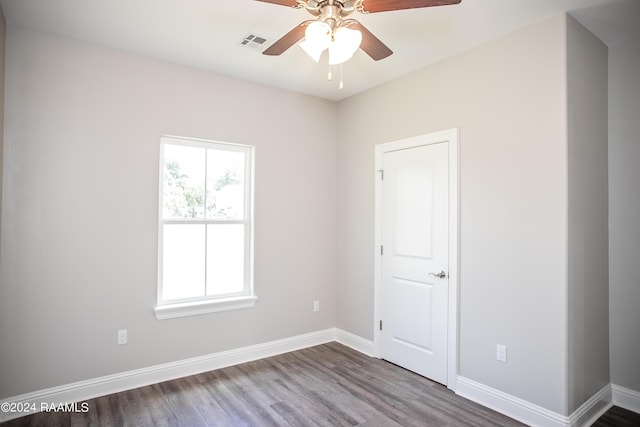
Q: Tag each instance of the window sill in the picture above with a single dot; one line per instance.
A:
(170, 311)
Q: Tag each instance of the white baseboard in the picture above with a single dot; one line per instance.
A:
(592, 409)
(532, 414)
(89, 389)
(355, 342)
(509, 405)
(626, 398)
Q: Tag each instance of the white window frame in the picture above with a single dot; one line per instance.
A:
(208, 304)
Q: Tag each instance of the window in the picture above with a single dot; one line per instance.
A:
(205, 229)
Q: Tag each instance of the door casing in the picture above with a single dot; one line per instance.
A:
(450, 137)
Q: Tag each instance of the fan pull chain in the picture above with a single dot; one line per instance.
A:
(329, 75)
(341, 86)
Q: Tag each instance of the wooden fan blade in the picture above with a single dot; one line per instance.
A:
(288, 40)
(373, 6)
(370, 43)
(290, 3)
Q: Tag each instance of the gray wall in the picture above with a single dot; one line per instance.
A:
(624, 212)
(588, 280)
(3, 37)
(508, 99)
(79, 244)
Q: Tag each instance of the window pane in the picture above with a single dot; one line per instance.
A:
(225, 184)
(183, 261)
(225, 258)
(183, 190)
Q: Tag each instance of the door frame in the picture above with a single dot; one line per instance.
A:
(449, 136)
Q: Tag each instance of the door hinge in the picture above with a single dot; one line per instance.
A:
(381, 250)
(381, 174)
(381, 325)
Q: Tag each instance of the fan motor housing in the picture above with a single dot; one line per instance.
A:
(318, 8)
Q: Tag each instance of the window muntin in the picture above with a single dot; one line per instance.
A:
(205, 233)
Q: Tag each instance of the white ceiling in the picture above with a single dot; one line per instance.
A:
(206, 34)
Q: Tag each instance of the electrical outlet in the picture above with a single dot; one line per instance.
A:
(501, 353)
(122, 336)
(316, 306)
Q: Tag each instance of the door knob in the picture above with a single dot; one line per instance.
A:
(440, 275)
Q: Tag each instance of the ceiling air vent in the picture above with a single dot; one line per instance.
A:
(254, 42)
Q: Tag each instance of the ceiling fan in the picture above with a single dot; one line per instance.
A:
(331, 29)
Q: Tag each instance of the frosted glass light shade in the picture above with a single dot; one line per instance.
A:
(345, 43)
(317, 37)
(318, 33)
(311, 50)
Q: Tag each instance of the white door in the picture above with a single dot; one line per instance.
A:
(414, 260)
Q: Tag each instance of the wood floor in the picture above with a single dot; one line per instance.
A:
(618, 417)
(326, 385)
